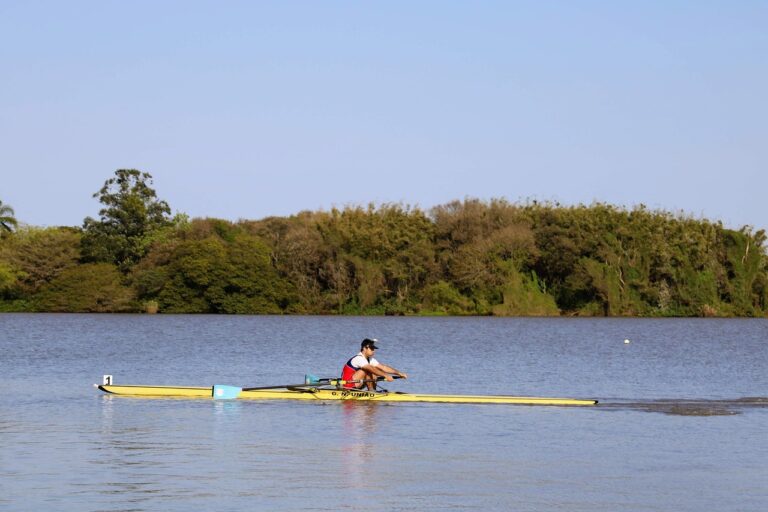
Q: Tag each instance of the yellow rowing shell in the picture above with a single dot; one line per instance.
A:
(338, 394)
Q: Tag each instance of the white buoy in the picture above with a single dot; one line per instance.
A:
(627, 342)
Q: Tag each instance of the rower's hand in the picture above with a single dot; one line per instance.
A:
(388, 378)
(403, 376)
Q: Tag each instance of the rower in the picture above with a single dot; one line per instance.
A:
(364, 368)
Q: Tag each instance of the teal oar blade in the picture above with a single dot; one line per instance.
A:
(222, 392)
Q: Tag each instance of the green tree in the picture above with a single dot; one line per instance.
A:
(441, 298)
(378, 257)
(227, 271)
(486, 250)
(525, 295)
(9, 276)
(131, 217)
(88, 288)
(7, 218)
(39, 255)
(744, 262)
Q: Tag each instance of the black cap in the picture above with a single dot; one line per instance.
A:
(367, 342)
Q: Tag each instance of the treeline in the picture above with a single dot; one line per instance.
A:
(467, 257)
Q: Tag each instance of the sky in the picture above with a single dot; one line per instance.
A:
(248, 109)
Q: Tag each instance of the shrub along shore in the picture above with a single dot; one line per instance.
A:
(467, 257)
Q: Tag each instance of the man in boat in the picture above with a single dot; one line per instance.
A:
(364, 368)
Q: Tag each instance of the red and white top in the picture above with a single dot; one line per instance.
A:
(354, 364)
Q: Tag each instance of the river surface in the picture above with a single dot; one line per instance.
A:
(682, 423)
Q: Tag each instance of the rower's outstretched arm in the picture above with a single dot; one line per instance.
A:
(383, 370)
(393, 371)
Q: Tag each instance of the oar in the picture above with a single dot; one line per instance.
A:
(224, 392)
(310, 380)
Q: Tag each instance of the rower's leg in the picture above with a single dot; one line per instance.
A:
(364, 375)
(371, 384)
(360, 375)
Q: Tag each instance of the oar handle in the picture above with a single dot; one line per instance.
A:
(384, 378)
(377, 379)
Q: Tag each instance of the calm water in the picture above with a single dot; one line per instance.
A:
(682, 424)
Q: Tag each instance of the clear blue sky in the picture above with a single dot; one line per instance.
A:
(251, 109)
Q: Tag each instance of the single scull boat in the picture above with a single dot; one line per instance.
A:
(330, 390)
